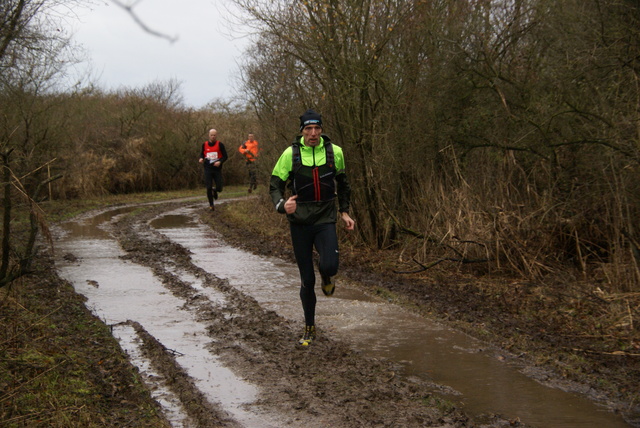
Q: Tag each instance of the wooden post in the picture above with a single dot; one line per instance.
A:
(49, 178)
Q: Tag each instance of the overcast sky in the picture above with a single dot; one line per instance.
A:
(204, 58)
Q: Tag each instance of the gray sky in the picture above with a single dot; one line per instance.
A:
(204, 57)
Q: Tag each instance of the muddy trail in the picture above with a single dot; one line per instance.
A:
(214, 332)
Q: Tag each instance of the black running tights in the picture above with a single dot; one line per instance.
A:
(212, 180)
(304, 238)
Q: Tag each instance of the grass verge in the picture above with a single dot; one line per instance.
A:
(60, 366)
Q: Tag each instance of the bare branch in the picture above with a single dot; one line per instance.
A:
(129, 9)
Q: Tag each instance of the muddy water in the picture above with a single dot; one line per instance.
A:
(119, 291)
(481, 379)
(476, 376)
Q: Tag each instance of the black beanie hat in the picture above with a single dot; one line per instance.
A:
(310, 117)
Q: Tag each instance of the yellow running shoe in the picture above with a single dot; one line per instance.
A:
(308, 336)
(328, 286)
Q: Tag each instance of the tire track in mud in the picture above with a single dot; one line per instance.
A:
(327, 384)
(200, 411)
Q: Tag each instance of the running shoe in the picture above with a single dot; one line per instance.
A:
(328, 286)
(308, 336)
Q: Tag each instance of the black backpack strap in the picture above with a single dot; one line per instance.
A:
(328, 147)
(296, 158)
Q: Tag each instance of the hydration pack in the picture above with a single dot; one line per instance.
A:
(313, 183)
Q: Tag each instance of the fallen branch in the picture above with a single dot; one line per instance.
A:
(406, 229)
(615, 353)
(460, 254)
(446, 259)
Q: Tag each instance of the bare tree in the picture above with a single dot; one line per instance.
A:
(31, 55)
(332, 56)
(500, 122)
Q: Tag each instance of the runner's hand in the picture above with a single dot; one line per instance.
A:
(349, 223)
(291, 205)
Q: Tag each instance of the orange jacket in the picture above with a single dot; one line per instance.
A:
(250, 150)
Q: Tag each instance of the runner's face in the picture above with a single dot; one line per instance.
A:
(311, 134)
(213, 135)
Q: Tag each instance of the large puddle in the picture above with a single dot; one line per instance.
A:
(479, 378)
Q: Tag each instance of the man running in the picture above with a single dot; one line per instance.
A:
(249, 149)
(314, 170)
(212, 155)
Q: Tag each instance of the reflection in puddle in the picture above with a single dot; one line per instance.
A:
(119, 291)
(481, 380)
(91, 227)
(172, 221)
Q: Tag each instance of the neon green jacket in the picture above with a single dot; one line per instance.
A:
(310, 212)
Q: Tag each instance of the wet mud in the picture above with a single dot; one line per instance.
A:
(331, 383)
(327, 384)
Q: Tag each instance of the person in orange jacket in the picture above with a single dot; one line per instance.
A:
(249, 149)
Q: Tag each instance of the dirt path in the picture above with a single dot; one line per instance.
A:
(328, 384)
